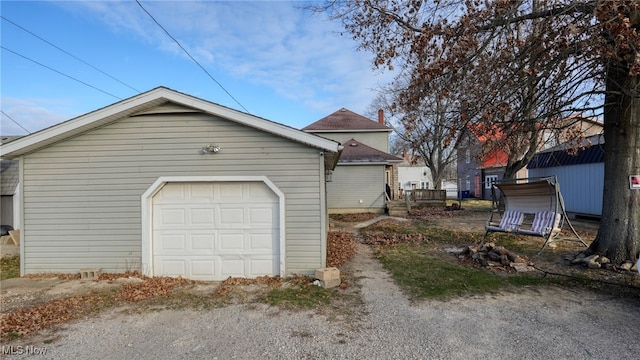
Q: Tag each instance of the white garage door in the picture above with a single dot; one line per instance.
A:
(210, 231)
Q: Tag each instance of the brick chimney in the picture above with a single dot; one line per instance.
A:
(381, 116)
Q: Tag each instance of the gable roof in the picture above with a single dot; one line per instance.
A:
(345, 120)
(484, 132)
(355, 152)
(593, 152)
(495, 159)
(151, 99)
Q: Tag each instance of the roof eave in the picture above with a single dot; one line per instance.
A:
(346, 130)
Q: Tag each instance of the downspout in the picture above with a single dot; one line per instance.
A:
(324, 224)
(20, 210)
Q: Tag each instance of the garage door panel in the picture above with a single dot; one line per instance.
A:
(172, 242)
(261, 241)
(210, 231)
(172, 216)
(232, 267)
(231, 242)
(171, 192)
(202, 269)
(232, 217)
(261, 216)
(202, 191)
(231, 191)
(203, 242)
(172, 267)
(201, 216)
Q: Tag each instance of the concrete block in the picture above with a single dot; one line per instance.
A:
(89, 273)
(327, 274)
(328, 284)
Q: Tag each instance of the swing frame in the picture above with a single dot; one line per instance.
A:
(513, 200)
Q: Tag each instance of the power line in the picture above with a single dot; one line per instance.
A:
(59, 72)
(68, 53)
(192, 58)
(15, 122)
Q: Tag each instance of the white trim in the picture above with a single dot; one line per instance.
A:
(137, 103)
(147, 213)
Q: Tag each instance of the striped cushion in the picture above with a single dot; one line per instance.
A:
(511, 220)
(544, 222)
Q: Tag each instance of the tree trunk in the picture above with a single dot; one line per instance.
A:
(437, 179)
(619, 234)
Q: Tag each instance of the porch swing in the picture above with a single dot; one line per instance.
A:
(532, 207)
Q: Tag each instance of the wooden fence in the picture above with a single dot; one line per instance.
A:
(425, 196)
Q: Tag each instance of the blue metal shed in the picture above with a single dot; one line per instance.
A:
(581, 175)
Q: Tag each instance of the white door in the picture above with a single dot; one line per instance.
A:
(210, 231)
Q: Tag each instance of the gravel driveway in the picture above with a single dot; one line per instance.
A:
(548, 323)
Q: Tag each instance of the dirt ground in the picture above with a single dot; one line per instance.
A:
(27, 292)
(534, 323)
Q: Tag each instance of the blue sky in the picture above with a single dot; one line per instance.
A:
(278, 61)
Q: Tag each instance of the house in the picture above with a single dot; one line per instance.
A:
(8, 189)
(580, 173)
(173, 185)
(478, 166)
(413, 173)
(365, 168)
(568, 128)
(476, 172)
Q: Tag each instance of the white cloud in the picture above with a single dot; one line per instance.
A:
(32, 113)
(299, 55)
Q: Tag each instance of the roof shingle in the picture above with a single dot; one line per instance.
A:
(357, 152)
(345, 120)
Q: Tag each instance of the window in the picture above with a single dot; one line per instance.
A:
(489, 179)
(424, 184)
(468, 156)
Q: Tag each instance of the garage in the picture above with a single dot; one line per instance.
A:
(171, 185)
(213, 230)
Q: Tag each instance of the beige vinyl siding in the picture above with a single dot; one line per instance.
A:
(82, 196)
(378, 140)
(352, 183)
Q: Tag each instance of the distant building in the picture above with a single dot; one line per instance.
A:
(366, 172)
(478, 168)
(413, 173)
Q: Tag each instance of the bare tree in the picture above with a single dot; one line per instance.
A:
(428, 131)
(433, 130)
(525, 64)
